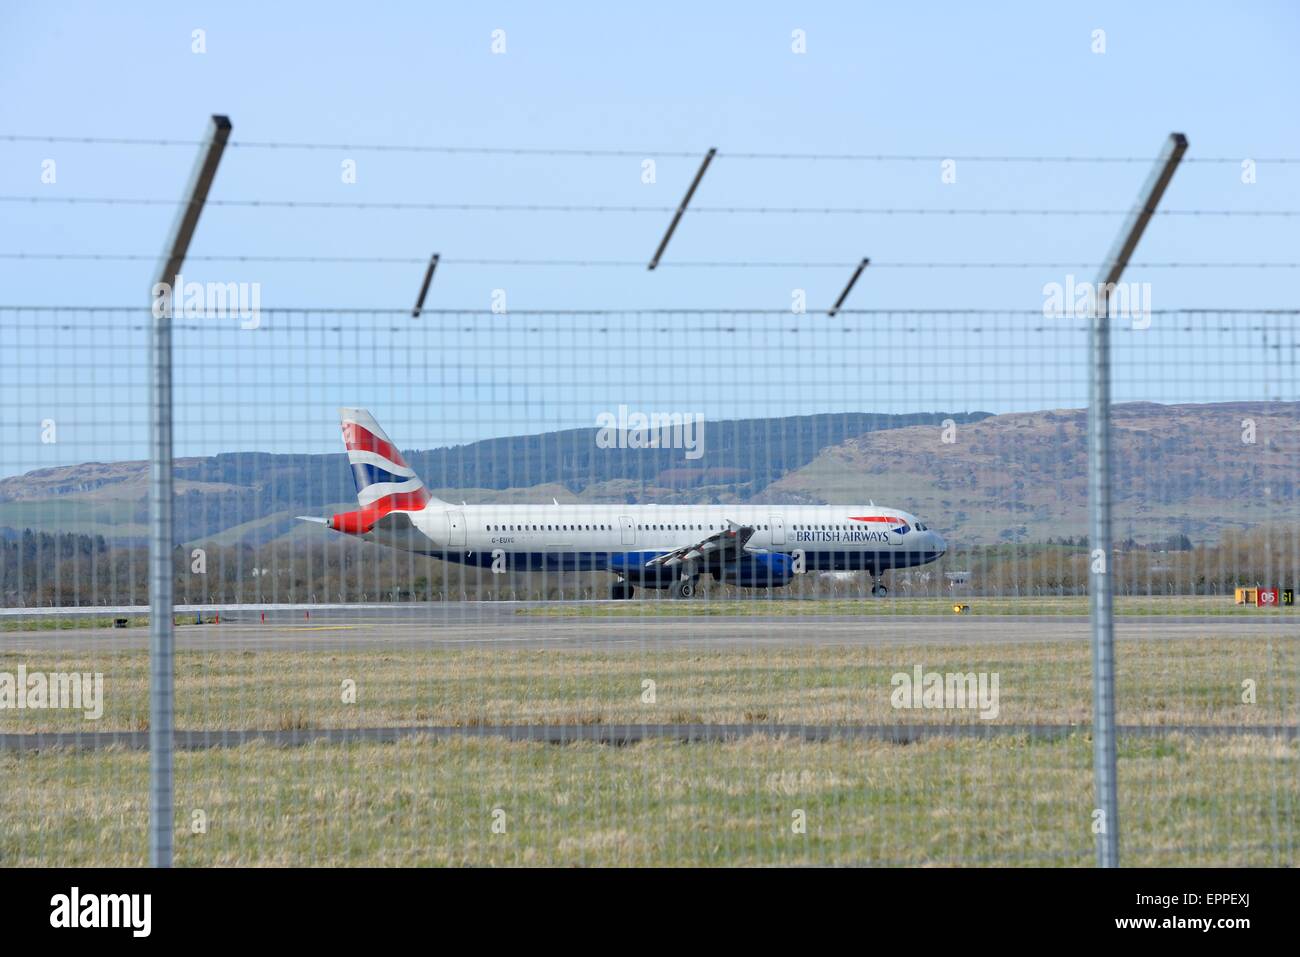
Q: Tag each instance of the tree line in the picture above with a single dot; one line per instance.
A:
(69, 569)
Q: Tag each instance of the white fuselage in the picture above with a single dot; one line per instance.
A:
(603, 537)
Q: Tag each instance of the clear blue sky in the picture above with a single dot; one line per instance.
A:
(940, 79)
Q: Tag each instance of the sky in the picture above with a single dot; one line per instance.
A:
(634, 84)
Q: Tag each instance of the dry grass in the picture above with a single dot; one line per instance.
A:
(657, 604)
(1163, 682)
(426, 801)
(422, 801)
(68, 624)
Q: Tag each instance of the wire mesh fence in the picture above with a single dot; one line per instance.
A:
(604, 587)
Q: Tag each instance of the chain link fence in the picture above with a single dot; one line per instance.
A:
(882, 657)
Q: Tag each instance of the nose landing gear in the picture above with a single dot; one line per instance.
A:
(877, 586)
(620, 591)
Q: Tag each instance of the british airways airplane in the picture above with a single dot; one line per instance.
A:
(653, 546)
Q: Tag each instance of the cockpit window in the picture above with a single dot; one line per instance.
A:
(920, 527)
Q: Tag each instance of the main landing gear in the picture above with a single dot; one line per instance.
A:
(684, 589)
(620, 591)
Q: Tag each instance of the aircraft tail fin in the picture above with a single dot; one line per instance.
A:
(385, 483)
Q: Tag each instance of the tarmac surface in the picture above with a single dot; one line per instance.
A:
(501, 625)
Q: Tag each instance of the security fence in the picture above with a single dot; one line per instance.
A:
(650, 587)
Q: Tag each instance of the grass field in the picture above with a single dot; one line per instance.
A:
(1160, 682)
(767, 605)
(65, 624)
(421, 801)
(1006, 800)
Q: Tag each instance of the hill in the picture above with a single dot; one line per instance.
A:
(1178, 469)
(1020, 477)
(251, 497)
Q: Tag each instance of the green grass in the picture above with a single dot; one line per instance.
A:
(1007, 800)
(430, 802)
(110, 518)
(66, 624)
(1160, 682)
(658, 604)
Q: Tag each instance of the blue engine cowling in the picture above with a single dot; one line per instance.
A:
(631, 566)
(758, 571)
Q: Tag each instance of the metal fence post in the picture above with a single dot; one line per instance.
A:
(161, 640)
(1099, 498)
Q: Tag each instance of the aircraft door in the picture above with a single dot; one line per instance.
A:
(629, 529)
(456, 532)
(778, 529)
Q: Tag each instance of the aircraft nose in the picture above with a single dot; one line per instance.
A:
(940, 546)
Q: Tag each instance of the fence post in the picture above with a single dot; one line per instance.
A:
(1101, 560)
(163, 295)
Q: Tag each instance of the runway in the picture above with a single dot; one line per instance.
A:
(501, 625)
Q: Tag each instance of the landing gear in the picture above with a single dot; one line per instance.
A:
(878, 588)
(684, 589)
(620, 591)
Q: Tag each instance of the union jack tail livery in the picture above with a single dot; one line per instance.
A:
(385, 483)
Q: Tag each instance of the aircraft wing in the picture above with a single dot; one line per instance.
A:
(727, 544)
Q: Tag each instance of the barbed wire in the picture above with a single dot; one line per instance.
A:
(618, 153)
(671, 311)
(728, 313)
(405, 205)
(633, 263)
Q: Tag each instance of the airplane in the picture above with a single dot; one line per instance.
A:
(647, 546)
